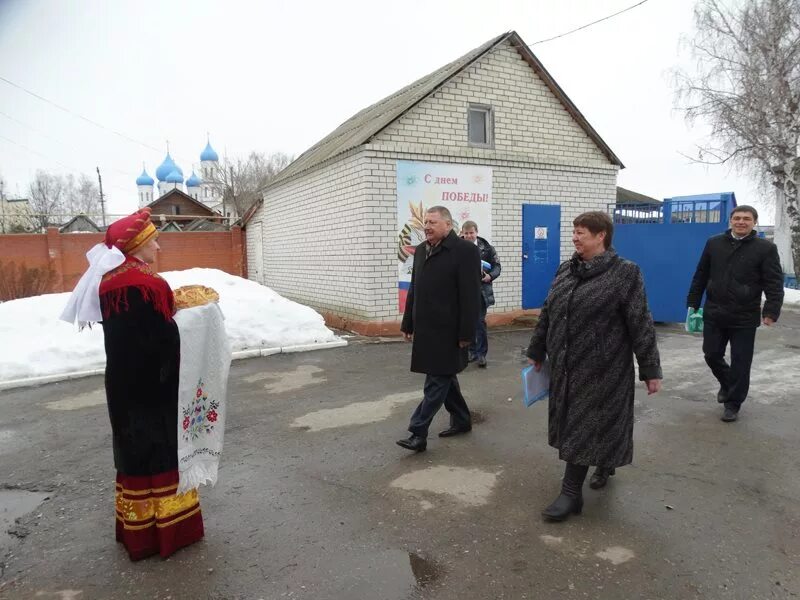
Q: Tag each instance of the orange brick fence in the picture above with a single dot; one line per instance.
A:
(63, 255)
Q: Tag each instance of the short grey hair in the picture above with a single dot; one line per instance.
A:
(442, 211)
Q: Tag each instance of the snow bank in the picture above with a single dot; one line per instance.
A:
(791, 297)
(35, 343)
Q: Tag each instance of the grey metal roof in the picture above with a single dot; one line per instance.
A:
(82, 221)
(625, 196)
(364, 125)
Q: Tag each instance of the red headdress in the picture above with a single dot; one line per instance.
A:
(128, 235)
(132, 232)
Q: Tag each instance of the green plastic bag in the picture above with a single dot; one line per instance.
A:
(694, 320)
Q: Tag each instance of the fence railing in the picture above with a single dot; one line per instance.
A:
(27, 222)
(671, 212)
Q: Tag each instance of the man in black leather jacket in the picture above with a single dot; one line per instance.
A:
(479, 348)
(734, 269)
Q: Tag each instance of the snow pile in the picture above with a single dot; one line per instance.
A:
(791, 297)
(36, 343)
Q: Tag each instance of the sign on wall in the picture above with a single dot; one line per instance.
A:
(465, 190)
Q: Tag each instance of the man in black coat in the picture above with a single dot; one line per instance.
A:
(488, 255)
(736, 267)
(440, 316)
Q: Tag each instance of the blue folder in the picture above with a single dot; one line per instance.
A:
(535, 386)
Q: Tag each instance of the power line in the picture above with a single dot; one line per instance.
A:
(55, 160)
(78, 116)
(57, 141)
(588, 24)
(82, 117)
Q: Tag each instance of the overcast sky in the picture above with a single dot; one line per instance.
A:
(279, 75)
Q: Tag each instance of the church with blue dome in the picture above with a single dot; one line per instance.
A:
(171, 177)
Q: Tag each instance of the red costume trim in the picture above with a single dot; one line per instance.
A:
(135, 273)
(152, 518)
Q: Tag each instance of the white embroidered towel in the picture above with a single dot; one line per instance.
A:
(202, 394)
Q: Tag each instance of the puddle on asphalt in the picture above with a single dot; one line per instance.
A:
(425, 571)
(86, 400)
(288, 381)
(358, 413)
(469, 486)
(396, 574)
(13, 505)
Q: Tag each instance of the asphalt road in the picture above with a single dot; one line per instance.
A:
(324, 505)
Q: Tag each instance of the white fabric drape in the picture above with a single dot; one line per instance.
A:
(84, 303)
(202, 394)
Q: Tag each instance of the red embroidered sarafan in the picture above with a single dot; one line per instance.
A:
(135, 273)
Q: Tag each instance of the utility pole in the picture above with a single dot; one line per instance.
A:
(233, 196)
(2, 208)
(102, 200)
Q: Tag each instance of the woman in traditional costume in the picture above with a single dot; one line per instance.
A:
(142, 364)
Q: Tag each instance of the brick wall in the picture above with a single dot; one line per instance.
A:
(530, 122)
(576, 189)
(65, 253)
(317, 234)
(328, 236)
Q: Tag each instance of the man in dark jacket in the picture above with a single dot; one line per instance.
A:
(734, 270)
(469, 232)
(440, 315)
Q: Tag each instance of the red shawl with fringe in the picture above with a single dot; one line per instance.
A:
(135, 273)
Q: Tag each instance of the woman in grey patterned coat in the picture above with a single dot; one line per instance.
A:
(594, 321)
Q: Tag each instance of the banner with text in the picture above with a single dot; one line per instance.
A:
(465, 190)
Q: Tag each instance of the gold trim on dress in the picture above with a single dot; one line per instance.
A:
(172, 505)
(179, 519)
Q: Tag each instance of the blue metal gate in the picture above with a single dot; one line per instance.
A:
(541, 251)
(666, 241)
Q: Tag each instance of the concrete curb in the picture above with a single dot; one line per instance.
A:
(238, 355)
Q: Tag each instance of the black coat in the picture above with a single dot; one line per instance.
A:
(142, 363)
(593, 322)
(733, 274)
(442, 305)
(489, 254)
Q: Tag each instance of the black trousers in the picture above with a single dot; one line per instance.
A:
(734, 379)
(480, 345)
(440, 389)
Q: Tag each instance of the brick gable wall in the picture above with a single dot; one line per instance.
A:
(329, 236)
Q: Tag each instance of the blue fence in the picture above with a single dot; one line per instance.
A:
(666, 240)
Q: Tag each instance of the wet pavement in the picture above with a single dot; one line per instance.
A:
(315, 501)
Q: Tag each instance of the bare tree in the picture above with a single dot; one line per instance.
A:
(56, 198)
(241, 181)
(46, 199)
(746, 85)
(82, 195)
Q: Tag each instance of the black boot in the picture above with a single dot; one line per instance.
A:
(600, 477)
(415, 443)
(570, 501)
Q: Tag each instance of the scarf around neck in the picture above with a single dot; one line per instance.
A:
(134, 273)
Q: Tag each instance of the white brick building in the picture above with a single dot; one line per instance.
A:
(326, 233)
